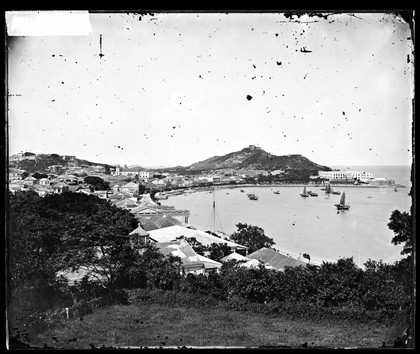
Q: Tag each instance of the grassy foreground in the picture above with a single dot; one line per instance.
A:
(149, 325)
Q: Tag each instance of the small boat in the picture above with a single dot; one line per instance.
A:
(328, 189)
(242, 190)
(253, 196)
(277, 192)
(342, 205)
(313, 194)
(395, 189)
(336, 192)
(304, 194)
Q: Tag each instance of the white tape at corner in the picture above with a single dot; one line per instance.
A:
(48, 23)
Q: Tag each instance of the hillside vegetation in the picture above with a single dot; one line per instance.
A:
(254, 158)
(61, 232)
(42, 161)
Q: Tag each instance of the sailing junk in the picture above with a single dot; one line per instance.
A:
(304, 194)
(342, 205)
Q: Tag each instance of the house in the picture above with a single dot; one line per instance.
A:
(144, 175)
(30, 181)
(162, 221)
(191, 261)
(127, 203)
(15, 174)
(99, 168)
(149, 210)
(129, 187)
(236, 257)
(102, 194)
(68, 179)
(141, 235)
(60, 187)
(15, 187)
(44, 182)
(128, 171)
(16, 157)
(274, 260)
(175, 232)
(43, 190)
(253, 263)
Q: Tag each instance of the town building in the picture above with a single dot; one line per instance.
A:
(15, 174)
(273, 259)
(175, 232)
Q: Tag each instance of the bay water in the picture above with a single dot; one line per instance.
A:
(309, 225)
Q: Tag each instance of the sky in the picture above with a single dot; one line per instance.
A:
(168, 89)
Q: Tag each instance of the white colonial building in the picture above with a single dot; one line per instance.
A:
(347, 174)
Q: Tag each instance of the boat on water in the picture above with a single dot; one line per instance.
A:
(304, 194)
(253, 196)
(395, 189)
(277, 192)
(214, 226)
(313, 194)
(342, 205)
(241, 190)
(328, 189)
(335, 192)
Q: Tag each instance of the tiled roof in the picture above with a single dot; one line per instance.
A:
(253, 263)
(234, 256)
(60, 184)
(130, 185)
(165, 221)
(173, 232)
(140, 231)
(209, 263)
(274, 259)
(181, 249)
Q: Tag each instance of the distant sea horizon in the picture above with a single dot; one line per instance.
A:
(399, 173)
(311, 225)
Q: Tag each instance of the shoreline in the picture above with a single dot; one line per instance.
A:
(220, 187)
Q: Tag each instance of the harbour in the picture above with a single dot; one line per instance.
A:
(307, 225)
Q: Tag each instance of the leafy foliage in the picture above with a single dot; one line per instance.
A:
(218, 251)
(401, 224)
(252, 237)
(97, 183)
(67, 231)
(38, 175)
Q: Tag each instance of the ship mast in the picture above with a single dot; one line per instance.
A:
(214, 221)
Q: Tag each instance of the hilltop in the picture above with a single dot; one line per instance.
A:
(250, 158)
(31, 162)
(255, 158)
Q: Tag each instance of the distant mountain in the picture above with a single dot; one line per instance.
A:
(255, 158)
(40, 162)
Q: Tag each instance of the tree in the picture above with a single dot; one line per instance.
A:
(218, 251)
(197, 246)
(67, 231)
(252, 237)
(142, 189)
(97, 183)
(307, 256)
(24, 175)
(38, 175)
(401, 225)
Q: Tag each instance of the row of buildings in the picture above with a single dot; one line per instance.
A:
(354, 177)
(165, 226)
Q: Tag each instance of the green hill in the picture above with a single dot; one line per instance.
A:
(255, 158)
(41, 162)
